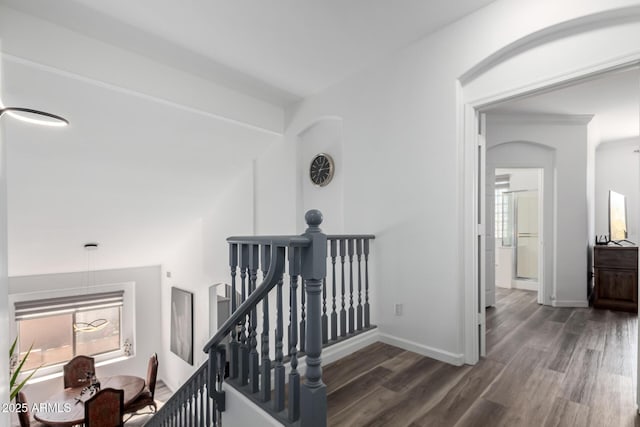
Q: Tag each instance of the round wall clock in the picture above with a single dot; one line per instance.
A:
(321, 169)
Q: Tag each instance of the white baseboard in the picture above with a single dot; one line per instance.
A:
(524, 285)
(570, 303)
(338, 351)
(434, 353)
(343, 349)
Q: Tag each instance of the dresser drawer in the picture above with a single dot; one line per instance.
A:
(615, 257)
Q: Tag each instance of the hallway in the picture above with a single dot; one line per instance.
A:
(544, 366)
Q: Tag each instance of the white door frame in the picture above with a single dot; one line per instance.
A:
(542, 291)
(473, 193)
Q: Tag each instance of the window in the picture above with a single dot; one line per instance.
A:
(502, 213)
(58, 329)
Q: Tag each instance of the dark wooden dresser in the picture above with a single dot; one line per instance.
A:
(616, 277)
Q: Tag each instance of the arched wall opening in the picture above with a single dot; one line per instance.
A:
(558, 55)
(527, 155)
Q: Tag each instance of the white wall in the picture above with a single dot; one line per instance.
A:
(198, 262)
(147, 313)
(617, 169)
(593, 140)
(275, 190)
(324, 136)
(521, 179)
(403, 160)
(186, 271)
(233, 215)
(567, 137)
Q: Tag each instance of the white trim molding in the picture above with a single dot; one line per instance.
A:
(533, 118)
(570, 303)
(338, 351)
(434, 353)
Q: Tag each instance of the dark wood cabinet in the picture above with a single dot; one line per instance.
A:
(616, 277)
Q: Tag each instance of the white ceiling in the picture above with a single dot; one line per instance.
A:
(134, 174)
(277, 50)
(614, 98)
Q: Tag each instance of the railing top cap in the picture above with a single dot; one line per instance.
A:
(350, 236)
(298, 241)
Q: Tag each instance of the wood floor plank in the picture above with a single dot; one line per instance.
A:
(565, 347)
(406, 378)
(617, 357)
(607, 403)
(527, 329)
(561, 315)
(552, 367)
(482, 414)
(341, 398)
(577, 322)
(462, 395)
(419, 399)
(363, 410)
(582, 376)
(546, 335)
(565, 413)
(401, 361)
(509, 318)
(506, 388)
(594, 336)
(534, 400)
(346, 369)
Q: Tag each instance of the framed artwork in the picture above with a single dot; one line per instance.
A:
(182, 324)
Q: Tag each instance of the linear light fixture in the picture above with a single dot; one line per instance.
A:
(96, 324)
(35, 117)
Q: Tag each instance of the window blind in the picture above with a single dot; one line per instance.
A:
(47, 307)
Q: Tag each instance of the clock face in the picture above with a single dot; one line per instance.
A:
(321, 170)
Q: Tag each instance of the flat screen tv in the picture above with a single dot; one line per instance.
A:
(617, 216)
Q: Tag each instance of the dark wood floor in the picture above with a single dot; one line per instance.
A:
(544, 367)
(162, 394)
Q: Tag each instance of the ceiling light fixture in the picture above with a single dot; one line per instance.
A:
(35, 117)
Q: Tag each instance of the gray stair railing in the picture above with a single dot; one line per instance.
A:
(251, 369)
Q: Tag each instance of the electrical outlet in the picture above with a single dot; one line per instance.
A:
(398, 309)
(168, 275)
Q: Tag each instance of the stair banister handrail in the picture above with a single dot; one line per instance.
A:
(351, 236)
(276, 270)
(282, 241)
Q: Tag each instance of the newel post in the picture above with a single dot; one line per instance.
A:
(314, 269)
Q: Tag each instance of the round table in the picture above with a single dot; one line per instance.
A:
(66, 408)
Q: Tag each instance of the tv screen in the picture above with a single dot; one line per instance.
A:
(617, 216)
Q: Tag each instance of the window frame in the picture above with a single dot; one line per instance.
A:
(127, 319)
(501, 186)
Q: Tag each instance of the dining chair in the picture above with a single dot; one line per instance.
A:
(75, 372)
(105, 409)
(146, 398)
(24, 415)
